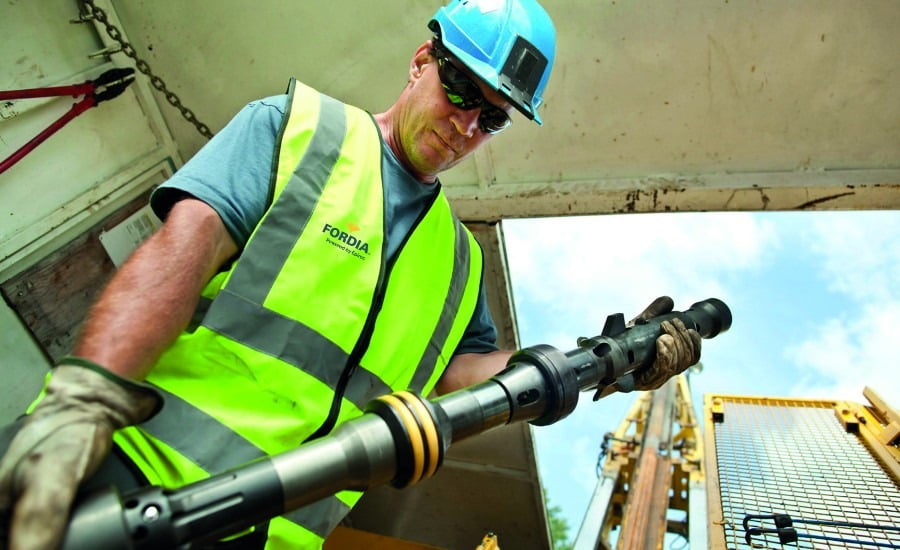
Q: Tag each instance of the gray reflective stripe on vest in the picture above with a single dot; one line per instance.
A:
(230, 450)
(258, 267)
(320, 517)
(461, 262)
(207, 443)
(276, 335)
(237, 312)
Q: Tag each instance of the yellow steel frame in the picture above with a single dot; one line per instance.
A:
(877, 425)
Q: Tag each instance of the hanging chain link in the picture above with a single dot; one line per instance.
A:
(100, 15)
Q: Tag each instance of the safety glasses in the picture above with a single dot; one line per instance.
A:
(464, 93)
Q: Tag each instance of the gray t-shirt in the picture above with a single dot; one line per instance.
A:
(232, 172)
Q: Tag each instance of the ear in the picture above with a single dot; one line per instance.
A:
(420, 58)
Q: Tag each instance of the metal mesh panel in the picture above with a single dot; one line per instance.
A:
(798, 460)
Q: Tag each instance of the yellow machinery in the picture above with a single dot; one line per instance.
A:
(653, 470)
(767, 473)
(344, 538)
(802, 472)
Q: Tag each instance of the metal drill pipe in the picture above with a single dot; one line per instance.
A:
(548, 391)
(357, 455)
(400, 440)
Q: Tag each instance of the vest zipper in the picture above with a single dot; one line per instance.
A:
(365, 337)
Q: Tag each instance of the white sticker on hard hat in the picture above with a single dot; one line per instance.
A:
(489, 5)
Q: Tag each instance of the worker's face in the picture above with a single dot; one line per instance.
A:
(433, 133)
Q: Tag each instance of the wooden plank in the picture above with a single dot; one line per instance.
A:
(53, 296)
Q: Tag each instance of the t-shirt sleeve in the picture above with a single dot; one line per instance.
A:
(481, 333)
(232, 172)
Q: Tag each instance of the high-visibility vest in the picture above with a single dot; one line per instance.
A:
(311, 297)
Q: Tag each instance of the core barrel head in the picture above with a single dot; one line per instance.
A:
(711, 316)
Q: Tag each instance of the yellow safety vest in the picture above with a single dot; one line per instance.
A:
(311, 307)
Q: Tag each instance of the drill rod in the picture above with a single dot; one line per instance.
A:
(401, 440)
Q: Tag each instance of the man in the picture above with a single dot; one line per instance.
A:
(308, 263)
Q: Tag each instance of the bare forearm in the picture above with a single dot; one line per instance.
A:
(152, 297)
(127, 330)
(471, 368)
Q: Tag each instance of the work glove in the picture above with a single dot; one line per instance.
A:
(677, 348)
(61, 443)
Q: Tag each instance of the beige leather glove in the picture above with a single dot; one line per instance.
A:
(677, 348)
(62, 442)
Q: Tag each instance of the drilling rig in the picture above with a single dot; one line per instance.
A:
(767, 472)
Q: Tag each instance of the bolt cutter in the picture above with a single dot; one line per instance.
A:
(103, 88)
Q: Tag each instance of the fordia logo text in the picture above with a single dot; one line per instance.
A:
(345, 241)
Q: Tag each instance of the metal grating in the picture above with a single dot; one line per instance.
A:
(798, 460)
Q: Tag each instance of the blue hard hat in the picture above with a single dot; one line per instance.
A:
(510, 44)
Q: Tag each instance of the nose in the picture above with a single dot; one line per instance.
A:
(466, 121)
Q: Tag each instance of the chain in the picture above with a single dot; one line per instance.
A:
(100, 15)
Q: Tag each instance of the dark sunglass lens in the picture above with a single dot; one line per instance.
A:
(461, 91)
(455, 97)
(492, 119)
(466, 95)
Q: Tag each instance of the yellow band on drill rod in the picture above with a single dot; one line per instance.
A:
(426, 422)
(412, 430)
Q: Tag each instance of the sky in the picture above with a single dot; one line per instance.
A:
(815, 300)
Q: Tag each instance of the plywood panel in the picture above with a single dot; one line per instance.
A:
(53, 296)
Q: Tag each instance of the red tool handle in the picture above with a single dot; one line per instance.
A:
(76, 110)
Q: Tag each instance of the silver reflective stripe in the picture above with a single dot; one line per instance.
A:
(237, 310)
(207, 442)
(259, 266)
(265, 330)
(364, 386)
(461, 262)
(215, 447)
(292, 342)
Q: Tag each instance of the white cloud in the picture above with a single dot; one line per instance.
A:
(860, 259)
(860, 253)
(843, 356)
(591, 266)
(577, 270)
